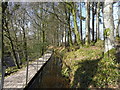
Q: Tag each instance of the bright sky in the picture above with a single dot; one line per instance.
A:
(115, 15)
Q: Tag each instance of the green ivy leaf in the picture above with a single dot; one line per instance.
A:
(107, 32)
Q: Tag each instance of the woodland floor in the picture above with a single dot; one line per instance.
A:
(88, 67)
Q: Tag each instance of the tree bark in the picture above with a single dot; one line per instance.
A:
(25, 44)
(109, 25)
(93, 15)
(81, 23)
(70, 37)
(87, 23)
(75, 23)
(117, 29)
(43, 35)
(97, 22)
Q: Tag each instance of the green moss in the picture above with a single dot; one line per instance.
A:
(107, 73)
(118, 38)
(99, 43)
(86, 67)
(107, 32)
(11, 69)
(65, 71)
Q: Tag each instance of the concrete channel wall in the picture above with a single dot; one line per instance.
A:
(34, 83)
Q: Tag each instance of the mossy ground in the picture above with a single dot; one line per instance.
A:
(88, 67)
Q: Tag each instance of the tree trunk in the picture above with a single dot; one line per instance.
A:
(65, 26)
(70, 36)
(81, 23)
(25, 44)
(109, 25)
(87, 23)
(62, 38)
(93, 15)
(54, 39)
(68, 44)
(117, 29)
(65, 36)
(75, 41)
(97, 22)
(58, 36)
(75, 23)
(43, 34)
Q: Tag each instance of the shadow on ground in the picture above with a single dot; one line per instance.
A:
(83, 77)
(118, 54)
(118, 57)
(118, 51)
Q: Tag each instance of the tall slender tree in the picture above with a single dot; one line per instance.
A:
(87, 23)
(69, 32)
(97, 21)
(74, 8)
(109, 25)
(93, 19)
(81, 22)
(118, 28)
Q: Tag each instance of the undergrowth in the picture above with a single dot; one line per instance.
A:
(88, 67)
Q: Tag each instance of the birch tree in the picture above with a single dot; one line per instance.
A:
(117, 29)
(118, 25)
(109, 25)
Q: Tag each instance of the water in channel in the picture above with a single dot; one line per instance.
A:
(51, 75)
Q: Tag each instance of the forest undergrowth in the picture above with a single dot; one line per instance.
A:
(89, 67)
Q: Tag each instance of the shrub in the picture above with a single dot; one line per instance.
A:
(107, 73)
(88, 68)
(99, 43)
